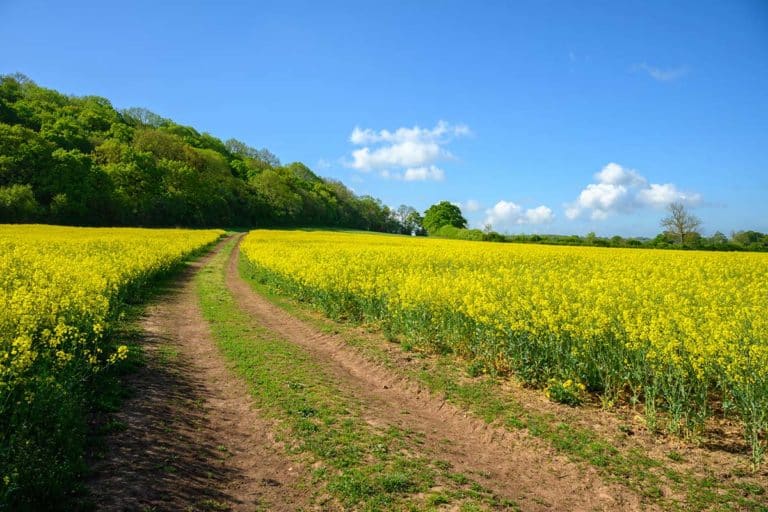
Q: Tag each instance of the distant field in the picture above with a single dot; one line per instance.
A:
(61, 289)
(682, 335)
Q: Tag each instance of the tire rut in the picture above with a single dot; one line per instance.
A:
(511, 464)
(191, 438)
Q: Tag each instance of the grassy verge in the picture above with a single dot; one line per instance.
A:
(660, 481)
(355, 465)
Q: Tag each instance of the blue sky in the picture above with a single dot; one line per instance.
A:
(540, 116)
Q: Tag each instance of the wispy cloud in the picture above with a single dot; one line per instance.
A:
(425, 173)
(662, 75)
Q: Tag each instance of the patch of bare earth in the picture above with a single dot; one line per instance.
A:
(192, 440)
(511, 464)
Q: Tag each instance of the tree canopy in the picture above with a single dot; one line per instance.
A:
(442, 214)
(78, 160)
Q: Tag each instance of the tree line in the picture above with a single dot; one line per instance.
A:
(681, 231)
(78, 160)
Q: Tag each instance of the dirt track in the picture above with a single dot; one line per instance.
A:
(192, 438)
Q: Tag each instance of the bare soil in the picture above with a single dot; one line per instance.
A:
(191, 438)
(511, 464)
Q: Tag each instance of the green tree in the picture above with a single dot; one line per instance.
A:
(409, 219)
(750, 239)
(18, 204)
(67, 159)
(718, 239)
(442, 214)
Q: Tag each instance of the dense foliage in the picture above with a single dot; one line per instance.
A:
(442, 214)
(61, 290)
(77, 160)
(683, 334)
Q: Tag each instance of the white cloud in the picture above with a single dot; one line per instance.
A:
(539, 215)
(614, 174)
(506, 214)
(622, 190)
(663, 75)
(441, 131)
(403, 154)
(409, 153)
(431, 173)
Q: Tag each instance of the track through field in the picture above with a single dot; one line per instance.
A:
(197, 438)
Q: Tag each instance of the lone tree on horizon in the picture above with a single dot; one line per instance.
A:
(680, 223)
(442, 214)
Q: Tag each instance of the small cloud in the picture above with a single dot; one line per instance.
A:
(506, 214)
(431, 173)
(538, 215)
(405, 153)
(323, 164)
(662, 75)
(622, 190)
(441, 132)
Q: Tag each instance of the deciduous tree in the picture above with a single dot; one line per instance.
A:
(442, 214)
(680, 223)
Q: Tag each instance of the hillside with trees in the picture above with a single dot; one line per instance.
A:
(78, 160)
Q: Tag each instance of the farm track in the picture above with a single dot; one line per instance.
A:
(511, 464)
(191, 438)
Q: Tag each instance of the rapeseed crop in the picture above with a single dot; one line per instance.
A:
(681, 333)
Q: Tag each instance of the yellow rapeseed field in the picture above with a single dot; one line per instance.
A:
(61, 290)
(671, 330)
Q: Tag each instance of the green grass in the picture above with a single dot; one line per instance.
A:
(355, 465)
(446, 376)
